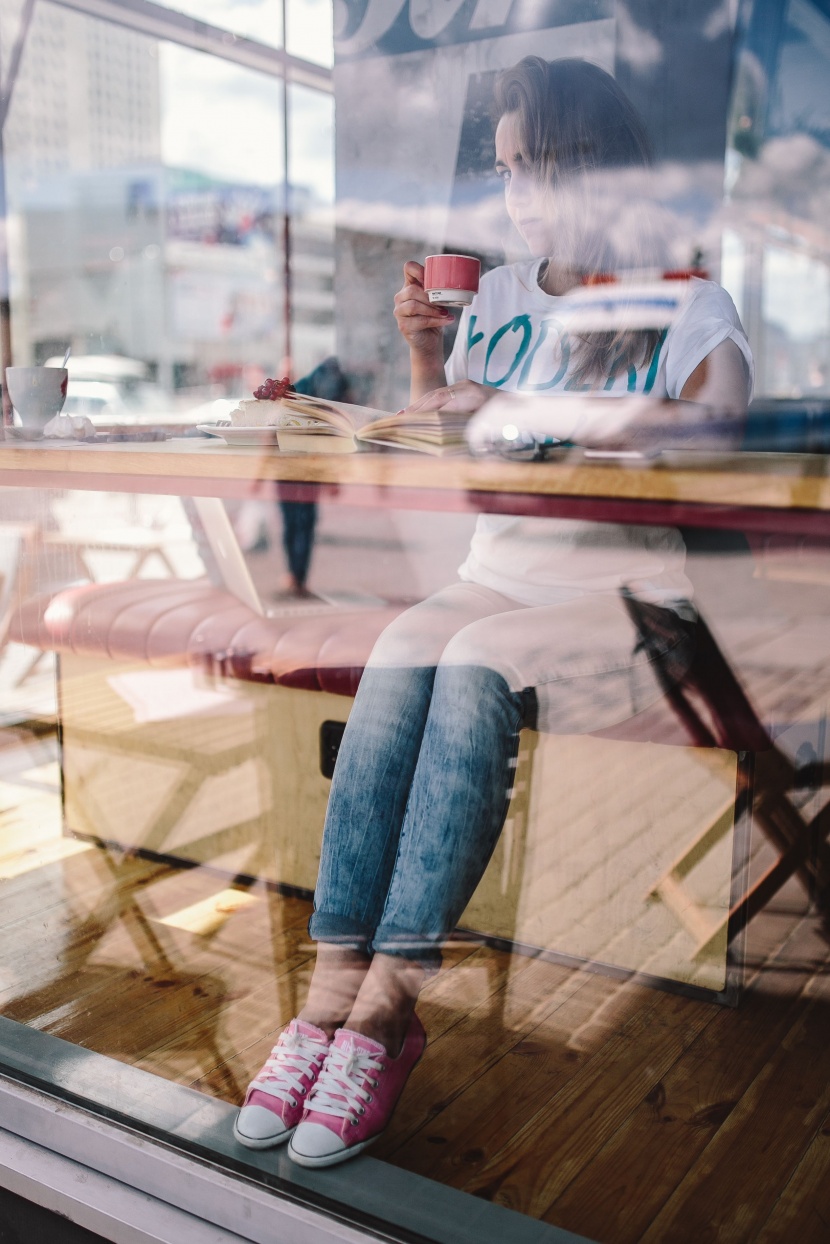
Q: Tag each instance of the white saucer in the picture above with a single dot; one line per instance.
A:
(240, 436)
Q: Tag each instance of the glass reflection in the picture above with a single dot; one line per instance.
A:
(638, 695)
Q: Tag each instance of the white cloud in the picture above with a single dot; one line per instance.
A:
(719, 21)
(226, 121)
(219, 118)
(309, 32)
(638, 45)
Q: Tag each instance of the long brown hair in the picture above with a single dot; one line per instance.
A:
(575, 125)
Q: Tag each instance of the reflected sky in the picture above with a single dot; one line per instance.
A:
(308, 22)
(225, 121)
(311, 142)
(218, 118)
(258, 19)
(309, 32)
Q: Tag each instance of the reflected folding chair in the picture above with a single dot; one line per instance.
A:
(715, 711)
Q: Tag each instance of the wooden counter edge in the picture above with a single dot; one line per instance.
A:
(785, 481)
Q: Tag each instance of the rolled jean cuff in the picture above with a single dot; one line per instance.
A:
(390, 940)
(331, 926)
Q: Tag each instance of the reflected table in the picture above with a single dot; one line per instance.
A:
(556, 890)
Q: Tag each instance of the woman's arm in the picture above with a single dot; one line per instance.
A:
(712, 407)
(422, 325)
(720, 380)
(709, 413)
(717, 390)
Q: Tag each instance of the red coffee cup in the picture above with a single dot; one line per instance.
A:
(451, 280)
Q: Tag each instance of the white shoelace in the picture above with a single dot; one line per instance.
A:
(340, 1090)
(292, 1057)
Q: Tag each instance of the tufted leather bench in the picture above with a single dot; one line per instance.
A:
(165, 624)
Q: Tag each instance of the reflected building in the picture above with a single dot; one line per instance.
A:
(87, 98)
(113, 250)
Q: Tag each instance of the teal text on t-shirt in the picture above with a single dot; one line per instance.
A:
(520, 346)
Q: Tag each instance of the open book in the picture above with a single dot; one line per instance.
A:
(315, 425)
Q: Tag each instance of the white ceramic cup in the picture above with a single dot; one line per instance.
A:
(37, 393)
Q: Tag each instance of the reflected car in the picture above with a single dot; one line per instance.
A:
(97, 400)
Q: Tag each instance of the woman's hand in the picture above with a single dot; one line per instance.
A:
(422, 326)
(421, 323)
(464, 397)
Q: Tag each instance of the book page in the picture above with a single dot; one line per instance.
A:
(344, 416)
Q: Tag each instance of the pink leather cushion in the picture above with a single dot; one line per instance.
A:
(323, 653)
(169, 622)
(157, 621)
(164, 622)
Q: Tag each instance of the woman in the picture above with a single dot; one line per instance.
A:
(534, 633)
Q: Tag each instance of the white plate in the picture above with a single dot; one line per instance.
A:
(240, 436)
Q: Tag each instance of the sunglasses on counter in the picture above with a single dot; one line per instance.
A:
(523, 447)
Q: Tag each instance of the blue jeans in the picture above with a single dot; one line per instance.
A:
(419, 794)
(422, 782)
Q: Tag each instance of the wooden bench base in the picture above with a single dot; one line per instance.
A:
(594, 824)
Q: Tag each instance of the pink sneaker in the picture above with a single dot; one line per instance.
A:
(353, 1099)
(274, 1102)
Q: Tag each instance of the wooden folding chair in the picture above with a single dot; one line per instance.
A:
(716, 712)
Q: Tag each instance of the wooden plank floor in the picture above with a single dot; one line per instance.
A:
(619, 1112)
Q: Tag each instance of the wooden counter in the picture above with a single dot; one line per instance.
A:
(781, 492)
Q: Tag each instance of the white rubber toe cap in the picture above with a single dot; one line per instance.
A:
(315, 1140)
(258, 1124)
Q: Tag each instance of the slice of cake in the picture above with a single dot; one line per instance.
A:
(253, 412)
(263, 413)
(264, 409)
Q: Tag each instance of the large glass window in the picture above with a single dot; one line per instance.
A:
(516, 702)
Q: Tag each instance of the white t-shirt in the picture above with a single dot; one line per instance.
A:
(515, 337)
